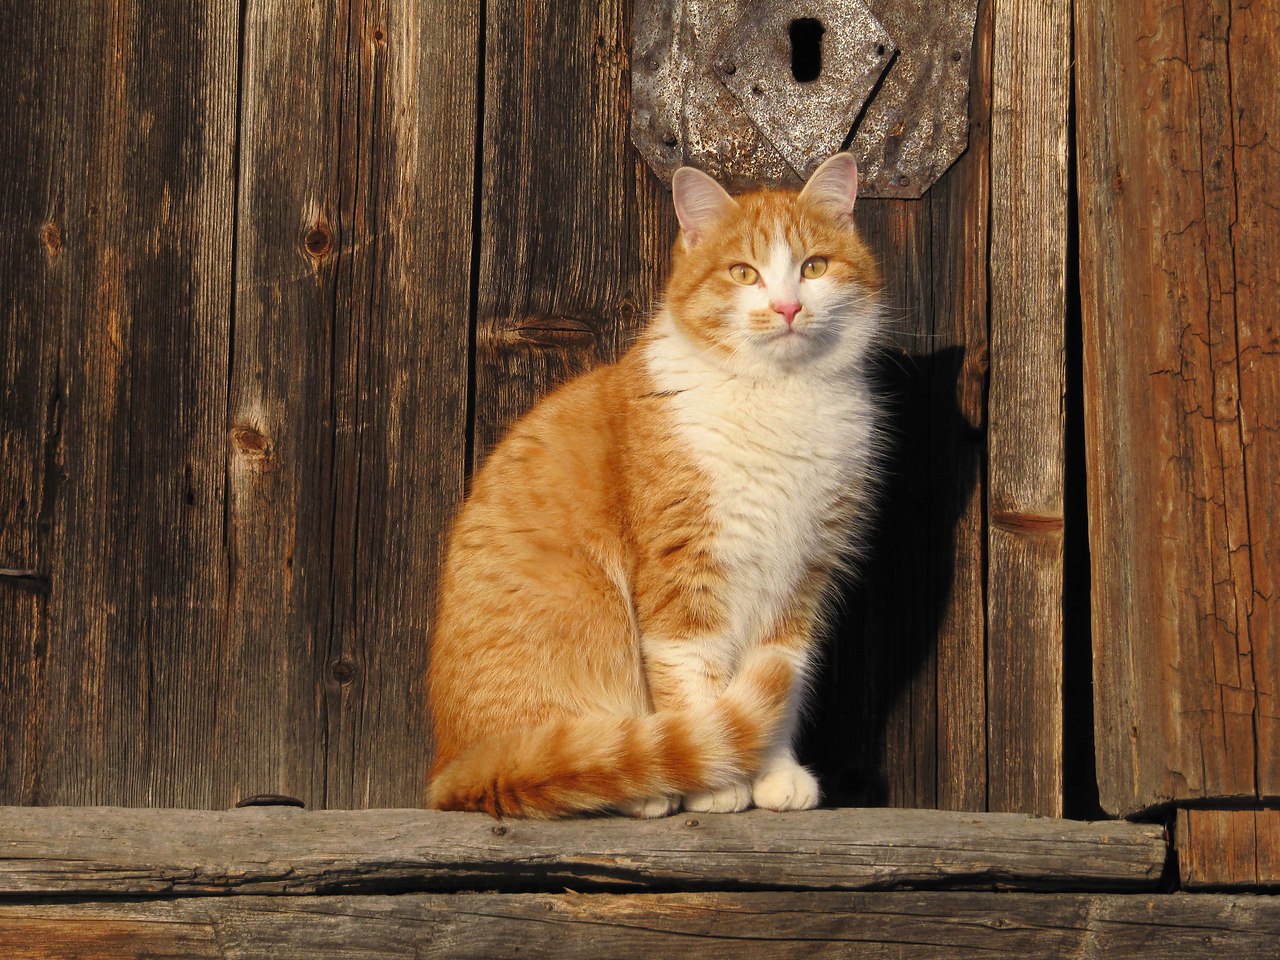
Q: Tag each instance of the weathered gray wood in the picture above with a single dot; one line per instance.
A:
(1030, 93)
(118, 148)
(347, 407)
(1179, 226)
(101, 851)
(708, 926)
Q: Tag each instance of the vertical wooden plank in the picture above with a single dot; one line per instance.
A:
(1251, 30)
(348, 388)
(32, 103)
(575, 228)
(959, 268)
(1179, 219)
(876, 730)
(409, 393)
(1228, 848)
(1030, 91)
(132, 138)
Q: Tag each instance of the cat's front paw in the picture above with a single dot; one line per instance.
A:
(650, 808)
(789, 787)
(730, 799)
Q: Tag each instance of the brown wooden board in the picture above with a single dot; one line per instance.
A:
(1228, 848)
(119, 144)
(702, 925)
(35, 102)
(231, 502)
(283, 850)
(347, 407)
(1179, 220)
(1030, 95)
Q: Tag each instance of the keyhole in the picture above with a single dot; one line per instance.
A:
(806, 49)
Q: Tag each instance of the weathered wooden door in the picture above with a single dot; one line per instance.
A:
(276, 276)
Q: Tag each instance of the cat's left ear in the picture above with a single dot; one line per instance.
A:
(700, 203)
(834, 185)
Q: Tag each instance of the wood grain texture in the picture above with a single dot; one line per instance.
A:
(1030, 95)
(575, 230)
(121, 141)
(1221, 849)
(347, 408)
(705, 925)
(229, 503)
(114, 851)
(34, 101)
(1179, 216)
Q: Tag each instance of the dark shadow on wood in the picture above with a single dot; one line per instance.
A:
(886, 630)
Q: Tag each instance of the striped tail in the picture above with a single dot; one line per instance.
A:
(594, 763)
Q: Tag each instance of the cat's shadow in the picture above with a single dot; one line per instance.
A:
(871, 734)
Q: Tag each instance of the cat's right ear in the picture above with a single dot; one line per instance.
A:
(700, 202)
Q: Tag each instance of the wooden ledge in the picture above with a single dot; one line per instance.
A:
(107, 851)
(779, 925)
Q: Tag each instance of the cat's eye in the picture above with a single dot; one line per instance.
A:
(813, 267)
(744, 274)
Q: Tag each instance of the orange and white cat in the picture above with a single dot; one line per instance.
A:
(627, 615)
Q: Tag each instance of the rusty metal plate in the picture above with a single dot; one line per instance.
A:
(685, 110)
(917, 124)
(807, 120)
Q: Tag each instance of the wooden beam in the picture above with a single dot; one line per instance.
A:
(1179, 240)
(708, 926)
(1030, 95)
(1229, 848)
(101, 851)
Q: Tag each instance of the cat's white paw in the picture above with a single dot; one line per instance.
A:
(789, 787)
(730, 799)
(650, 808)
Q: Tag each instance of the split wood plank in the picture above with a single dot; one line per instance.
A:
(349, 379)
(1228, 848)
(1179, 226)
(283, 850)
(708, 926)
(1031, 86)
(119, 148)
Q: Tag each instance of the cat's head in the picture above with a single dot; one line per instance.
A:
(774, 281)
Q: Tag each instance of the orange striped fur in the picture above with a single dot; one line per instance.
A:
(626, 615)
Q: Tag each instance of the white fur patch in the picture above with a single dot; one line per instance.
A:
(777, 451)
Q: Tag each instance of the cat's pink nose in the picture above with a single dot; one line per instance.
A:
(788, 311)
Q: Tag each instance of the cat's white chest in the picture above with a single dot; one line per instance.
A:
(776, 456)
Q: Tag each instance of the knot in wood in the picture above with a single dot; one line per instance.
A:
(250, 443)
(51, 237)
(319, 241)
(344, 671)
